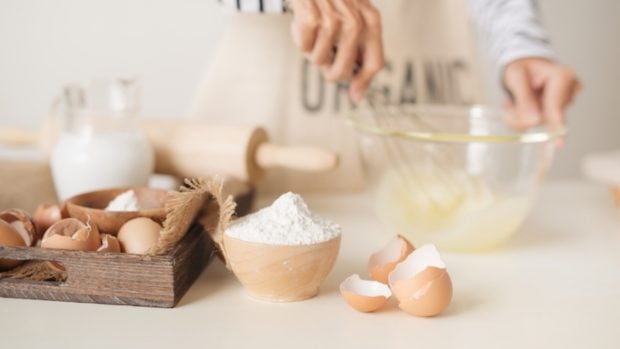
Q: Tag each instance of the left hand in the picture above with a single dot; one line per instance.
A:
(541, 90)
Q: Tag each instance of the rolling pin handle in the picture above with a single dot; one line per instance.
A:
(307, 159)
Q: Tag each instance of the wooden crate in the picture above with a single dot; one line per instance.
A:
(115, 278)
(119, 278)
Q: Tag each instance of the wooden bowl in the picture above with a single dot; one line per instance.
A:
(91, 206)
(281, 273)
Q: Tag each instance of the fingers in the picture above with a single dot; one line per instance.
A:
(337, 34)
(558, 93)
(372, 52)
(327, 34)
(304, 28)
(526, 104)
(511, 115)
(351, 27)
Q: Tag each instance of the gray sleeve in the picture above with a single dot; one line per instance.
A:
(511, 29)
(255, 6)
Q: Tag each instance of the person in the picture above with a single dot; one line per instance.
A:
(271, 68)
(539, 87)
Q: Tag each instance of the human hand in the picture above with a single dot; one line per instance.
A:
(540, 90)
(353, 27)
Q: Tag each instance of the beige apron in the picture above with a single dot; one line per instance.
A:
(257, 76)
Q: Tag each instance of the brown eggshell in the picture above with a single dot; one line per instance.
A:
(22, 223)
(72, 234)
(364, 295)
(421, 283)
(45, 216)
(109, 243)
(382, 262)
(64, 211)
(9, 237)
(427, 294)
(139, 235)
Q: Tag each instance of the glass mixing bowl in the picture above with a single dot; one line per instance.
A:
(457, 177)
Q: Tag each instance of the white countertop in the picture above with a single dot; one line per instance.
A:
(556, 284)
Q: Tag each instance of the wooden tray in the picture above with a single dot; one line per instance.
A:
(120, 278)
(115, 278)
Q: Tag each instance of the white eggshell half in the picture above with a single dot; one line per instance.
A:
(364, 295)
(420, 259)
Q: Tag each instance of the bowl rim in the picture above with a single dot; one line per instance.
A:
(474, 110)
(159, 211)
(265, 244)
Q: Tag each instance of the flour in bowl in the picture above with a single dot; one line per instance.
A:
(126, 201)
(288, 221)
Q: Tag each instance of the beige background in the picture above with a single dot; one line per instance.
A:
(168, 42)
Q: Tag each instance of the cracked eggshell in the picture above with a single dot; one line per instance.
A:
(364, 295)
(139, 235)
(72, 234)
(22, 223)
(421, 283)
(109, 243)
(382, 262)
(9, 237)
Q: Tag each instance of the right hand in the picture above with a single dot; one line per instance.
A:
(353, 27)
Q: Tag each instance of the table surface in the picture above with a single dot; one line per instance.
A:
(556, 284)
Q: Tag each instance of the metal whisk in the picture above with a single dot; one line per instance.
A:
(437, 159)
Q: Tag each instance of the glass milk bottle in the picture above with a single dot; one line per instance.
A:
(101, 144)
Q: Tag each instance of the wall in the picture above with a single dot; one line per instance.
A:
(586, 36)
(44, 44)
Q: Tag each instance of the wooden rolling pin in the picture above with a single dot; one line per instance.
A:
(193, 148)
(196, 148)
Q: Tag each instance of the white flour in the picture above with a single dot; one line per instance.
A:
(288, 221)
(127, 201)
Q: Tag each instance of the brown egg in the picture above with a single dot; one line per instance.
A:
(364, 295)
(45, 215)
(71, 234)
(139, 235)
(21, 222)
(9, 237)
(384, 261)
(421, 283)
(109, 243)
